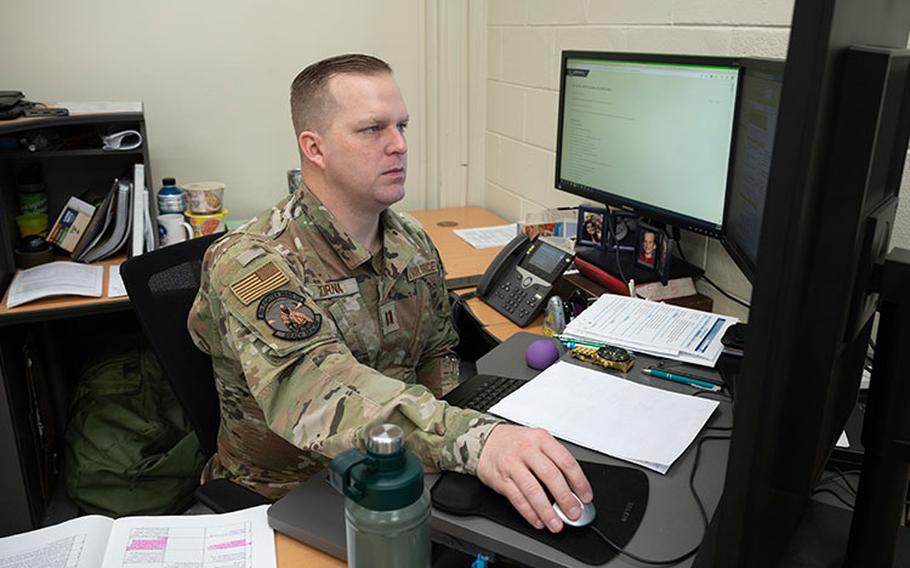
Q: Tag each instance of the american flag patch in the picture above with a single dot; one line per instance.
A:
(252, 286)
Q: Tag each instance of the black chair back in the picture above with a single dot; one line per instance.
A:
(162, 285)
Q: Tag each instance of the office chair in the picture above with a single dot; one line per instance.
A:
(162, 285)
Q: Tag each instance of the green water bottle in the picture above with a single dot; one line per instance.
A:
(387, 510)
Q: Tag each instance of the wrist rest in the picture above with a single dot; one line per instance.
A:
(620, 497)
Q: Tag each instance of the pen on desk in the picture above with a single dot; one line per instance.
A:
(569, 342)
(682, 379)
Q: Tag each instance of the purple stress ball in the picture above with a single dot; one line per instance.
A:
(541, 354)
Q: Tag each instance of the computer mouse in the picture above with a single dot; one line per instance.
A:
(587, 516)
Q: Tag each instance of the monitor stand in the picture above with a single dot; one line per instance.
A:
(607, 260)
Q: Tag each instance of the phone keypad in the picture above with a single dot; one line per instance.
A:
(517, 299)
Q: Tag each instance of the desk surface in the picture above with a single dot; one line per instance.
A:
(671, 526)
(461, 260)
(62, 306)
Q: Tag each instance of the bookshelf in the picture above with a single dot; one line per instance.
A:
(51, 332)
(68, 154)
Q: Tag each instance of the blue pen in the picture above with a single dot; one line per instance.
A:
(572, 343)
(682, 379)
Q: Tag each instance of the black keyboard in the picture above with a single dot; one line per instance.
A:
(483, 391)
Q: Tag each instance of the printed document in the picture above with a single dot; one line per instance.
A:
(664, 330)
(59, 278)
(242, 539)
(609, 414)
(115, 287)
(488, 237)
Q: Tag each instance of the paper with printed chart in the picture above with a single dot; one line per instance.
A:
(658, 329)
(242, 539)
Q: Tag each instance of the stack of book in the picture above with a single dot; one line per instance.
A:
(92, 233)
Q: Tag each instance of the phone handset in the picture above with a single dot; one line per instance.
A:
(516, 247)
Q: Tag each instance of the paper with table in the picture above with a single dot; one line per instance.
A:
(59, 278)
(662, 330)
(488, 237)
(242, 539)
(608, 414)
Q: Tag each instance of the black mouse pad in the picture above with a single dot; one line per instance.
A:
(620, 497)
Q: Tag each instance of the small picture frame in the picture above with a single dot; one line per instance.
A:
(591, 225)
(622, 231)
(665, 258)
(647, 246)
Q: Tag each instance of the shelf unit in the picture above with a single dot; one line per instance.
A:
(74, 164)
(52, 330)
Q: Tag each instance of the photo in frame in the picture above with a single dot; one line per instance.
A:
(664, 258)
(622, 231)
(647, 246)
(591, 225)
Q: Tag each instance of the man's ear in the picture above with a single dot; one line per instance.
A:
(310, 144)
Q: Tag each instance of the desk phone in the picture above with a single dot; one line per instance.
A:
(521, 277)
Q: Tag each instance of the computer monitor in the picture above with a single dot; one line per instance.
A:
(834, 181)
(756, 121)
(650, 133)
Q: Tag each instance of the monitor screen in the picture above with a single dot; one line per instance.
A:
(756, 121)
(648, 132)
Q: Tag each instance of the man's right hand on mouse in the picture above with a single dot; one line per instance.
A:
(514, 458)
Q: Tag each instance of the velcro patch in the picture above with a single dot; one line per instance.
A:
(287, 315)
(263, 280)
(388, 318)
(421, 269)
(324, 290)
(249, 255)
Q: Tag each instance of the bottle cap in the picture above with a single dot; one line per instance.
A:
(169, 181)
(385, 439)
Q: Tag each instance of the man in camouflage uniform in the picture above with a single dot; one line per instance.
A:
(327, 315)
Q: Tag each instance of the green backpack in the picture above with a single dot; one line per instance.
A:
(129, 449)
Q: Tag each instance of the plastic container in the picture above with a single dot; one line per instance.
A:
(204, 197)
(32, 198)
(387, 510)
(207, 224)
(294, 180)
(170, 197)
(33, 224)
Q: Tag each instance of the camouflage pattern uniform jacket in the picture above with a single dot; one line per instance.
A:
(314, 340)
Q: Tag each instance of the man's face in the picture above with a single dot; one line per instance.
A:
(648, 244)
(364, 145)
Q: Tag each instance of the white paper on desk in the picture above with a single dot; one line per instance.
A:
(242, 539)
(488, 237)
(659, 329)
(77, 543)
(115, 287)
(608, 414)
(55, 279)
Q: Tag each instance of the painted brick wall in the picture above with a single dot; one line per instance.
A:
(524, 40)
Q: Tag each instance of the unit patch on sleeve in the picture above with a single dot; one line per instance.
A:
(415, 271)
(265, 279)
(287, 316)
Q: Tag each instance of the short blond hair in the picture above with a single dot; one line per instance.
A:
(311, 102)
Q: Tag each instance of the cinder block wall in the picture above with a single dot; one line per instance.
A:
(524, 40)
